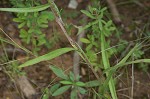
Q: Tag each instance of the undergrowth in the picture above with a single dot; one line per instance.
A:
(32, 17)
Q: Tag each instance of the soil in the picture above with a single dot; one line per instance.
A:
(134, 16)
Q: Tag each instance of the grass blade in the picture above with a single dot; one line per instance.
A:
(29, 9)
(106, 66)
(123, 61)
(127, 63)
(46, 57)
(129, 54)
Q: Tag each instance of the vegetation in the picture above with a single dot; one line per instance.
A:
(32, 17)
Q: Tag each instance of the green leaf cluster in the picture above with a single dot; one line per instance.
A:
(99, 24)
(70, 82)
(100, 28)
(31, 24)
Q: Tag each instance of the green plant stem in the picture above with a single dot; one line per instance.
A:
(106, 66)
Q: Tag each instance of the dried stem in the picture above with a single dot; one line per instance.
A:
(114, 11)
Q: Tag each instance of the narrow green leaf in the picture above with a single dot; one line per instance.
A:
(43, 25)
(84, 40)
(59, 72)
(87, 13)
(80, 29)
(103, 9)
(80, 84)
(93, 83)
(54, 88)
(23, 33)
(106, 63)
(71, 76)
(18, 20)
(22, 24)
(45, 96)
(29, 23)
(46, 57)
(109, 23)
(112, 28)
(61, 90)
(31, 30)
(73, 94)
(129, 54)
(66, 82)
(127, 63)
(48, 15)
(30, 9)
(82, 90)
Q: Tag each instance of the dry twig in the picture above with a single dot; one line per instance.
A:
(114, 11)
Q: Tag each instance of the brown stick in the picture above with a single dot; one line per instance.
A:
(26, 87)
(76, 56)
(114, 11)
(116, 15)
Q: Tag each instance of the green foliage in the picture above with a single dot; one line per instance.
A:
(121, 45)
(101, 29)
(54, 88)
(96, 41)
(138, 53)
(93, 83)
(11, 69)
(143, 66)
(68, 81)
(93, 39)
(98, 50)
(46, 94)
(73, 94)
(31, 24)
